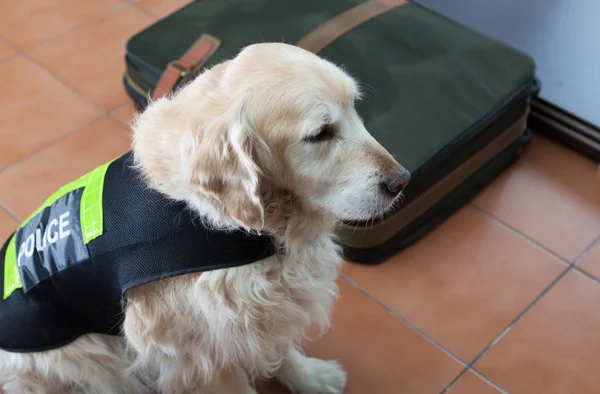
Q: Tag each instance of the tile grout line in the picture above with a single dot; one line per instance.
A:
(520, 234)
(587, 274)
(9, 57)
(587, 250)
(103, 112)
(55, 77)
(25, 53)
(76, 27)
(111, 114)
(10, 213)
(509, 327)
(488, 381)
(582, 256)
(520, 316)
(66, 85)
(573, 266)
(51, 143)
(145, 11)
(426, 337)
(480, 376)
(404, 320)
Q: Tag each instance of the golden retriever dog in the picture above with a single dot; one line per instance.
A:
(268, 142)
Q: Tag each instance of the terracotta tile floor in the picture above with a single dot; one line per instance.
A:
(503, 297)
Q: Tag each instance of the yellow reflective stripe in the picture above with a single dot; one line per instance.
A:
(12, 279)
(68, 188)
(90, 215)
(90, 210)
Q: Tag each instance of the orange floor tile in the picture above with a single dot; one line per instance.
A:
(503, 297)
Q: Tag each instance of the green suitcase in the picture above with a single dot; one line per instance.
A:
(449, 103)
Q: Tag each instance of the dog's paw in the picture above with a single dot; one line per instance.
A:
(328, 377)
(321, 377)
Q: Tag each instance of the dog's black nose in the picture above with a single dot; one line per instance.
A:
(396, 183)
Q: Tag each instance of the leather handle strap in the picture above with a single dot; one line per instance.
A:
(196, 56)
(322, 36)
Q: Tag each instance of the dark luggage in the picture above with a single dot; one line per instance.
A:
(566, 53)
(450, 104)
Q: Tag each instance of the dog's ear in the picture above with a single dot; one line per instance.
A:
(198, 145)
(223, 168)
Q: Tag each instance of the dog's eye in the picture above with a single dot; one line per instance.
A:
(326, 132)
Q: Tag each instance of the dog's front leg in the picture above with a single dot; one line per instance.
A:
(231, 381)
(181, 369)
(165, 335)
(306, 375)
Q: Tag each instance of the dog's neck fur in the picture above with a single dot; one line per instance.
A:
(289, 218)
(292, 220)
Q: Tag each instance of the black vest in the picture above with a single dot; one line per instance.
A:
(71, 288)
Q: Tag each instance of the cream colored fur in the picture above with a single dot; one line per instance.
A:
(233, 145)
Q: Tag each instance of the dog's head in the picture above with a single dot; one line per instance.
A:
(275, 118)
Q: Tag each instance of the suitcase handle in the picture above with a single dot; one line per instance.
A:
(322, 36)
(196, 56)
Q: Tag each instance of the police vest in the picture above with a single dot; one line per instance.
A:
(66, 268)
